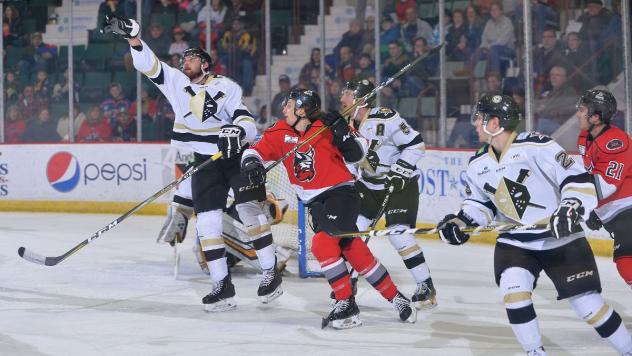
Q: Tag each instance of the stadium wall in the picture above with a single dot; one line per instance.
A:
(112, 178)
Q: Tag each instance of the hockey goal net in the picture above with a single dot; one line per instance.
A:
(294, 232)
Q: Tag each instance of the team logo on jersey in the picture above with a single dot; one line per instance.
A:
(512, 197)
(614, 144)
(63, 171)
(304, 165)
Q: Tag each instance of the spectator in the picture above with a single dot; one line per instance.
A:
(314, 62)
(174, 60)
(417, 78)
(60, 90)
(165, 7)
(42, 86)
(95, 128)
(351, 39)
(314, 78)
(63, 124)
(241, 49)
(148, 111)
(390, 33)
(333, 95)
(304, 83)
(462, 52)
(42, 129)
(262, 120)
(368, 35)
(436, 39)
(157, 40)
(455, 32)
(15, 126)
(13, 21)
(474, 27)
(555, 106)
(218, 13)
(218, 66)
(11, 91)
(543, 16)
(163, 123)
(346, 67)
(547, 55)
(110, 8)
(115, 103)
(576, 57)
(179, 44)
(484, 7)
(28, 104)
(413, 27)
(284, 91)
(401, 8)
(366, 68)
(494, 83)
(594, 21)
(609, 63)
(497, 41)
(9, 39)
(124, 128)
(396, 60)
(38, 55)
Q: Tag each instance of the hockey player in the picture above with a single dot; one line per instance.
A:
(210, 117)
(320, 178)
(605, 150)
(525, 179)
(390, 166)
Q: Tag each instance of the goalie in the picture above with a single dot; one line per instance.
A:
(235, 234)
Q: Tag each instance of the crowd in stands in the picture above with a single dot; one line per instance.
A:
(576, 48)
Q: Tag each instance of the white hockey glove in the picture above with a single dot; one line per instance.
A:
(229, 142)
(175, 227)
(126, 28)
(399, 175)
(565, 219)
(450, 228)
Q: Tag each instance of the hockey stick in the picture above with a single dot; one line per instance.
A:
(52, 261)
(362, 100)
(434, 230)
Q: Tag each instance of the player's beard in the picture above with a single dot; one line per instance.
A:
(192, 74)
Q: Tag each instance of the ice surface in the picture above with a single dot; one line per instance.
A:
(117, 296)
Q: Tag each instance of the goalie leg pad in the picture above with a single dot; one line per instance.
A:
(175, 227)
(258, 229)
(363, 261)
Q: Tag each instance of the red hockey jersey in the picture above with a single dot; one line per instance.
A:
(609, 158)
(315, 168)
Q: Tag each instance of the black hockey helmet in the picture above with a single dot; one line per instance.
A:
(600, 102)
(360, 89)
(197, 52)
(503, 107)
(307, 100)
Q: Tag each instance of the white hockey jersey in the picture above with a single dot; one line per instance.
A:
(524, 186)
(200, 110)
(391, 138)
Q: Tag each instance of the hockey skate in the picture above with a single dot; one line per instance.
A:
(537, 352)
(270, 286)
(404, 308)
(221, 297)
(425, 296)
(344, 315)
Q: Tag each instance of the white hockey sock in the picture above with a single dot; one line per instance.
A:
(528, 334)
(411, 253)
(218, 269)
(420, 273)
(266, 257)
(516, 285)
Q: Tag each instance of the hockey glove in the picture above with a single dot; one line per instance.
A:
(450, 228)
(401, 172)
(253, 169)
(229, 140)
(373, 159)
(565, 219)
(593, 222)
(336, 123)
(126, 28)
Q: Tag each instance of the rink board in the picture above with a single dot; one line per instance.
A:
(112, 178)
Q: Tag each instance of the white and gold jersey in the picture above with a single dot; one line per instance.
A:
(524, 185)
(390, 138)
(200, 109)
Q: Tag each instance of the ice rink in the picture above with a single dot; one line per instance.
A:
(117, 296)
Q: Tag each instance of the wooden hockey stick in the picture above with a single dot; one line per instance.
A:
(52, 261)
(434, 230)
(362, 100)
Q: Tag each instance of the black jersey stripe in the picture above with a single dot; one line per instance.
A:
(188, 137)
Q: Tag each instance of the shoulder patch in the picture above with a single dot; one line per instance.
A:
(613, 140)
(382, 113)
(533, 136)
(614, 144)
(481, 151)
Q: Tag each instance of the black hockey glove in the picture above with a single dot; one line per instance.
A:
(593, 222)
(126, 28)
(373, 159)
(565, 219)
(399, 175)
(336, 123)
(229, 140)
(450, 228)
(253, 169)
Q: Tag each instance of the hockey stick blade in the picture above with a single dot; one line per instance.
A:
(52, 261)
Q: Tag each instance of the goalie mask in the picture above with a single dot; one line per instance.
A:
(501, 106)
(599, 102)
(201, 54)
(360, 89)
